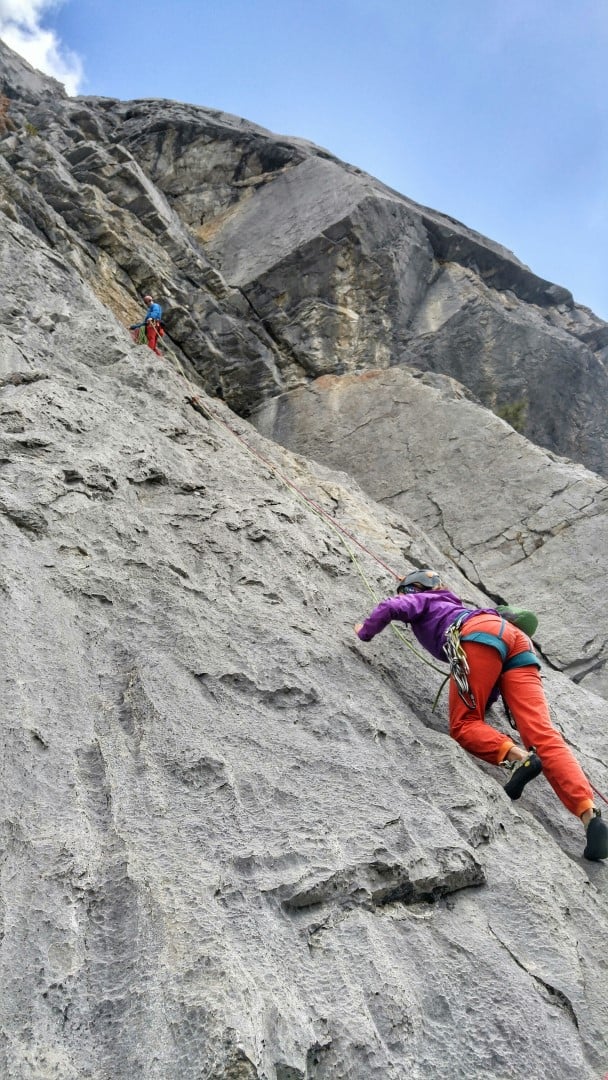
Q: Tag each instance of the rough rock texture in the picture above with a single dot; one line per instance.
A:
(520, 522)
(235, 842)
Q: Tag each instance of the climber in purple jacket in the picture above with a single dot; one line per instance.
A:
(489, 652)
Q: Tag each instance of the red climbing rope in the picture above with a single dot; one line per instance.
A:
(603, 797)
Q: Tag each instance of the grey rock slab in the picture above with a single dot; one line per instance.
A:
(200, 738)
(282, 216)
(524, 525)
(195, 746)
(516, 361)
(20, 81)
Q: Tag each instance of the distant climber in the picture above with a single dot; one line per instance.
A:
(152, 324)
(490, 655)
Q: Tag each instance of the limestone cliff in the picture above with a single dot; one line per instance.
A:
(235, 842)
(279, 263)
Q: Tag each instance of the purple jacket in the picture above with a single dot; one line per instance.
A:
(430, 613)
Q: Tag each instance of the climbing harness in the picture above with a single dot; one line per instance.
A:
(140, 336)
(522, 659)
(459, 665)
(457, 659)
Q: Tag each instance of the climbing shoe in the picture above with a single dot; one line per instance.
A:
(597, 838)
(523, 772)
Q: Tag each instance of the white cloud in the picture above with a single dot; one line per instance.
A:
(21, 30)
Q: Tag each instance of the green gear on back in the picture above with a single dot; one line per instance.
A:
(525, 620)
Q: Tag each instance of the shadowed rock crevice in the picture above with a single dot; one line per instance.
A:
(379, 883)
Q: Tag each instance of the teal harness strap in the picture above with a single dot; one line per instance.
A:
(522, 659)
(495, 640)
(488, 639)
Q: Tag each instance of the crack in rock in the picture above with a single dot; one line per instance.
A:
(554, 993)
(377, 882)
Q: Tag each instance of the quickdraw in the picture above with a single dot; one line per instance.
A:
(459, 665)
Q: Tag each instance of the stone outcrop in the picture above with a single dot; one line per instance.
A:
(235, 842)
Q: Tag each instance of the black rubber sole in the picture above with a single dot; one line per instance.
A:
(526, 772)
(597, 840)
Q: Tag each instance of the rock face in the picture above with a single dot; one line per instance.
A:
(517, 520)
(235, 842)
(278, 263)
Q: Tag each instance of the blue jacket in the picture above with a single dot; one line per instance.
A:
(154, 312)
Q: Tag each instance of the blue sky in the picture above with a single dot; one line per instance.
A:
(492, 111)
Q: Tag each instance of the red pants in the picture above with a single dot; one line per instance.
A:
(523, 693)
(152, 336)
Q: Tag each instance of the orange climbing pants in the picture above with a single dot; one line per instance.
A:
(152, 335)
(522, 690)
